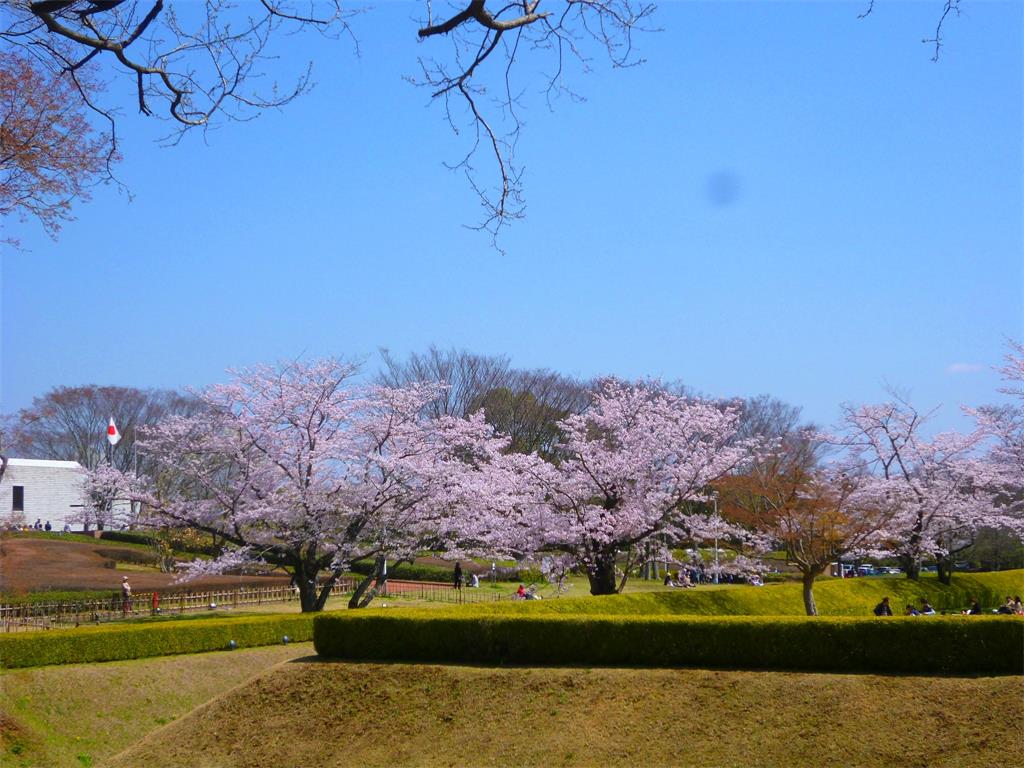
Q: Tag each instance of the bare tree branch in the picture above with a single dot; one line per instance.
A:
(565, 27)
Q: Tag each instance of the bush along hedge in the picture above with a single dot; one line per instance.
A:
(136, 641)
(835, 597)
(966, 645)
(405, 572)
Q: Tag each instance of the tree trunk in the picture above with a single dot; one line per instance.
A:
(602, 574)
(809, 606)
(912, 566)
(945, 567)
(364, 594)
(325, 591)
(360, 590)
(307, 591)
(305, 572)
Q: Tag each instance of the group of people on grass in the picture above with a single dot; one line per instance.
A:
(692, 577)
(1012, 607)
(38, 525)
(458, 582)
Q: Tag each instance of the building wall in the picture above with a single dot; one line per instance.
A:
(51, 488)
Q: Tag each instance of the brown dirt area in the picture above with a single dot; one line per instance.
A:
(316, 714)
(33, 565)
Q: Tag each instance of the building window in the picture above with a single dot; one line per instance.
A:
(18, 500)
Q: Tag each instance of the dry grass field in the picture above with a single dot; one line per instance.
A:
(312, 713)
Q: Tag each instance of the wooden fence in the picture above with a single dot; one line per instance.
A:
(62, 615)
(443, 592)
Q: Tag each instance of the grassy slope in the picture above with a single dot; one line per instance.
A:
(834, 597)
(334, 714)
(81, 714)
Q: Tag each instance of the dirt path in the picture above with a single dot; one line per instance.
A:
(32, 565)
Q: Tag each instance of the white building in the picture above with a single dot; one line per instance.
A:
(36, 489)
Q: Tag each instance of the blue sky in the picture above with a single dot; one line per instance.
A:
(782, 199)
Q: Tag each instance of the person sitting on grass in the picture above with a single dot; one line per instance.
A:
(926, 608)
(1007, 608)
(669, 582)
(974, 610)
(521, 592)
(883, 609)
(911, 611)
(1018, 606)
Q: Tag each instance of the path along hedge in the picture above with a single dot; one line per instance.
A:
(925, 645)
(136, 641)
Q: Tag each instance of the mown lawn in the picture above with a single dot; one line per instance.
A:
(313, 713)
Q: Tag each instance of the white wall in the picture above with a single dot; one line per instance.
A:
(51, 487)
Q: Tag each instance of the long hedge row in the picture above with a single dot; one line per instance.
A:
(834, 597)
(136, 641)
(933, 645)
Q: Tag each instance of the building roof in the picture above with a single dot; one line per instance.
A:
(43, 463)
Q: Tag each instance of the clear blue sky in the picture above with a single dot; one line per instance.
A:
(872, 233)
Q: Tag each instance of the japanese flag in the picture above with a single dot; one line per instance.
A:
(113, 436)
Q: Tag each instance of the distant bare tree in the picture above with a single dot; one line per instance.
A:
(525, 405)
(529, 407)
(69, 424)
(767, 417)
(468, 376)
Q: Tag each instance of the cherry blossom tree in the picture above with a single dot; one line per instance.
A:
(1005, 423)
(629, 472)
(932, 485)
(295, 466)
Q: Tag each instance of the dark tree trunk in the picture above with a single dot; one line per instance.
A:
(912, 566)
(325, 591)
(945, 568)
(364, 593)
(602, 574)
(360, 590)
(809, 605)
(307, 591)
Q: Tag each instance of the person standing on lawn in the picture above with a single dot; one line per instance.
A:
(126, 596)
(457, 576)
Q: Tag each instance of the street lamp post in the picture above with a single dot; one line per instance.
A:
(715, 502)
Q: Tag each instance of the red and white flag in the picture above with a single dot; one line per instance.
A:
(113, 436)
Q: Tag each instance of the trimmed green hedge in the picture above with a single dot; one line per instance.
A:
(136, 641)
(58, 596)
(923, 645)
(406, 572)
(834, 597)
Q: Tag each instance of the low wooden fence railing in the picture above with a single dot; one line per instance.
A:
(444, 592)
(61, 615)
